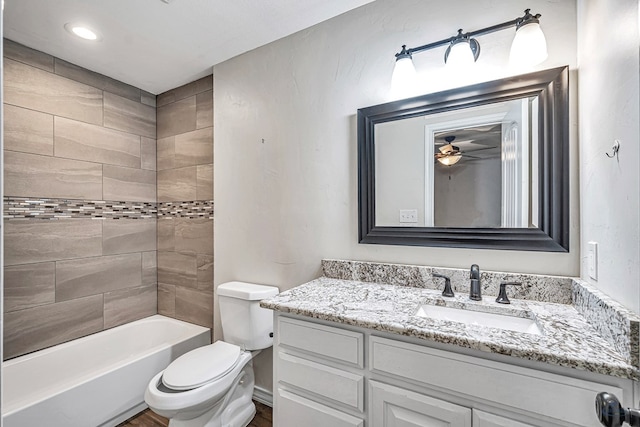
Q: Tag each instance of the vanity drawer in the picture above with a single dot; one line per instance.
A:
(511, 387)
(322, 341)
(335, 385)
(309, 414)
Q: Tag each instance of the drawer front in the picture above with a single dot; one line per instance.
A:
(484, 419)
(304, 412)
(322, 341)
(333, 384)
(395, 407)
(519, 389)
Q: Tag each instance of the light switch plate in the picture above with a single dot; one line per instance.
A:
(592, 260)
(409, 215)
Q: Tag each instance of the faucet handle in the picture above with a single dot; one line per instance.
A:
(448, 292)
(502, 295)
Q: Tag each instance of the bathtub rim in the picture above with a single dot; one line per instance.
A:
(9, 408)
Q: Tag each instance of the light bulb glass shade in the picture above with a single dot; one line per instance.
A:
(404, 78)
(460, 55)
(450, 160)
(529, 47)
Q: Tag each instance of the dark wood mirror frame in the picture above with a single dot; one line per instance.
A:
(552, 89)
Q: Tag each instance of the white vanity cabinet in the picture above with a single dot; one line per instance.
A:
(327, 375)
(396, 407)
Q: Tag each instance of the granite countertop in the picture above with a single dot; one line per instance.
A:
(567, 338)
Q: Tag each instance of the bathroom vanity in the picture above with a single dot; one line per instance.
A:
(357, 353)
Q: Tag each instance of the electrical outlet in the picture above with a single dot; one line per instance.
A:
(592, 260)
(409, 215)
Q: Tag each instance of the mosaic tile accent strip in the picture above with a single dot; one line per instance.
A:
(20, 208)
(192, 209)
(534, 287)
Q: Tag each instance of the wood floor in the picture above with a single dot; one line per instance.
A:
(148, 418)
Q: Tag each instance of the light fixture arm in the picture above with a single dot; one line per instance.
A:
(518, 22)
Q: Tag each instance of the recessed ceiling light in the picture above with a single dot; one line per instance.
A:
(82, 31)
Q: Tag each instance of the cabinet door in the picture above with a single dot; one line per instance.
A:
(293, 410)
(395, 407)
(484, 419)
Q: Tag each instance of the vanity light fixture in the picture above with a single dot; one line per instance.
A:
(82, 31)
(529, 48)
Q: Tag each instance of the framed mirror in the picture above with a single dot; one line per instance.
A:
(483, 166)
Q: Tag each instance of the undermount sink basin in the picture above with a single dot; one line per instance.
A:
(470, 317)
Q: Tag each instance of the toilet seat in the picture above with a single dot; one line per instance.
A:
(201, 366)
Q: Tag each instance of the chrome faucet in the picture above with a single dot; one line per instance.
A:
(475, 292)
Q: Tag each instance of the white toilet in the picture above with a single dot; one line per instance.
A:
(212, 386)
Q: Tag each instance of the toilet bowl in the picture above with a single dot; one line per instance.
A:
(212, 386)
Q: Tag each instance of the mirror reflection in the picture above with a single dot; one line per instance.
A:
(470, 168)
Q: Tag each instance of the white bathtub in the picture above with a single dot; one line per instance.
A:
(98, 380)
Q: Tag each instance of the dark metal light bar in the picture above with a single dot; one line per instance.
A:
(518, 22)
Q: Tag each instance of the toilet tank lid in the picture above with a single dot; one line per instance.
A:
(247, 291)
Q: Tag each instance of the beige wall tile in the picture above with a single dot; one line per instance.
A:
(148, 153)
(127, 305)
(177, 184)
(194, 148)
(147, 98)
(31, 175)
(100, 81)
(29, 87)
(165, 98)
(177, 269)
(193, 88)
(149, 268)
(39, 327)
(194, 235)
(79, 74)
(166, 234)
(21, 53)
(91, 276)
(122, 89)
(204, 109)
(167, 153)
(28, 131)
(204, 182)
(125, 184)
(194, 306)
(166, 300)
(177, 117)
(205, 272)
(39, 241)
(83, 141)
(29, 285)
(128, 235)
(129, 116)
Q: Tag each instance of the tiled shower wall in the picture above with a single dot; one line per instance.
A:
(185, 202)
(80, 193)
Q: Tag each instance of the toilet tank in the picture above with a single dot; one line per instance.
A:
(244, 322)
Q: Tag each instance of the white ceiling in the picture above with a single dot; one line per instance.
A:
(158, 46)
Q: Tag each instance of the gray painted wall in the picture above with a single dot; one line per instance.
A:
(284, 204)
(609, 110)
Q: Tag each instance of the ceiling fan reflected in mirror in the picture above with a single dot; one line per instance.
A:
(449, 154)
(469, 143)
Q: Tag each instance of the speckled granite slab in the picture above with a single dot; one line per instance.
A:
(534, 287)
(568, 339)
(614, 322)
